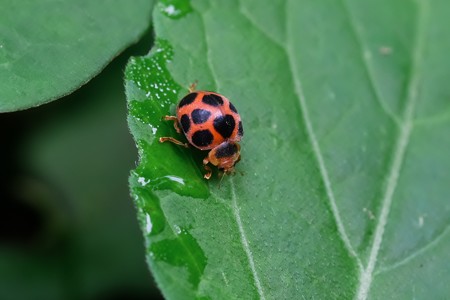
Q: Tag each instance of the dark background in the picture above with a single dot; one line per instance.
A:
(68, 228)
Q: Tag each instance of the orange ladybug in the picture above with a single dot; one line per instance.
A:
(210, 122)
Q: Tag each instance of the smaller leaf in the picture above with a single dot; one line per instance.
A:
(50, 48)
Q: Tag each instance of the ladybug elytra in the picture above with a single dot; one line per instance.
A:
(210, 122)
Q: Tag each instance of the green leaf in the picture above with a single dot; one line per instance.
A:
(70, 230)
(344, 191)
(50, 48)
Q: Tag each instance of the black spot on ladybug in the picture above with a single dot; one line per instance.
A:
(226, 150)
(233, 108)
(202, 138)
(225, 125)
(200, 116)
(188, 99)
(240, 129)
(185, 123)
(212, 100)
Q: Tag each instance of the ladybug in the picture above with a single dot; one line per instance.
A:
(210, 122)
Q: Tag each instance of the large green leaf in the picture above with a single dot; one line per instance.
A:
(50, 48)
(344, 191)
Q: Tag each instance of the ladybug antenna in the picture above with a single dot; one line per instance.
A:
(193, 86)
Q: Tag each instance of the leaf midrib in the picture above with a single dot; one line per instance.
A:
(405, 129)
(316, 148)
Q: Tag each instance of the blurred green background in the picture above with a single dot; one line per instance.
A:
(68, 228)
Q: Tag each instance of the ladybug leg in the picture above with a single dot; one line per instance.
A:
(173, 140)
(175, 122)
(192, 86)
(207, 168)
(221, 176)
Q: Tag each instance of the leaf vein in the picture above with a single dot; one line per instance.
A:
(430, 245)
(436, 119)
(247, 16)
(316, 150)
(366, 58)
(406, 126)
(245, 242)
(234, 207)
(208, 53)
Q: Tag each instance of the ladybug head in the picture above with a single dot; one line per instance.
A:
(225, 156)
